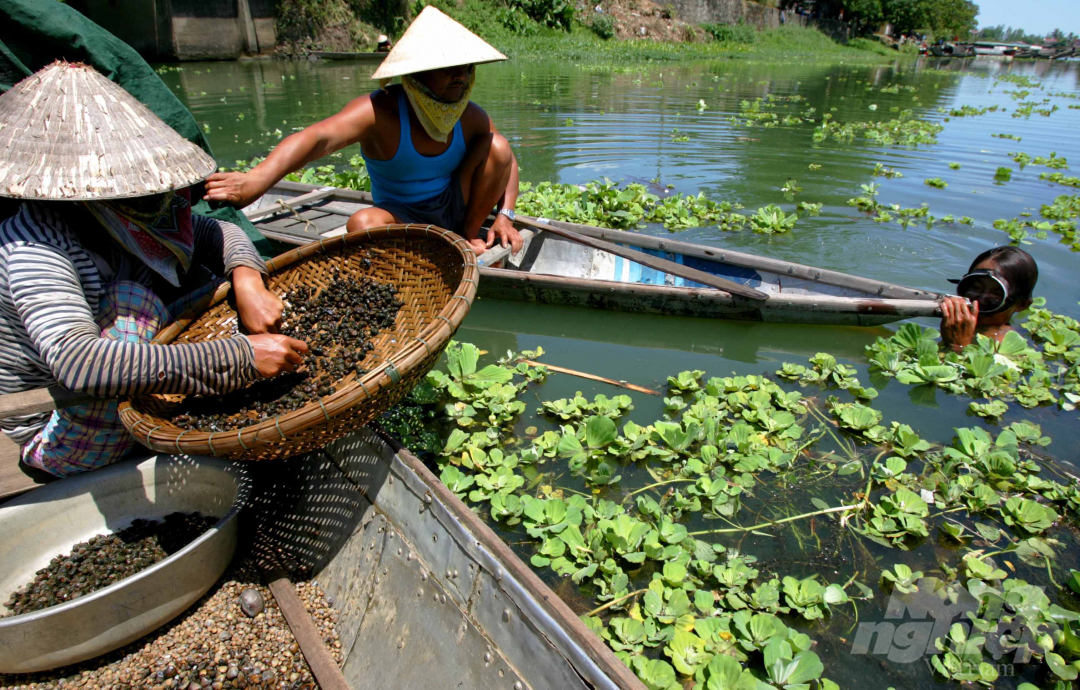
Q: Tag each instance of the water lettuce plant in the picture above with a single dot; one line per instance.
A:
(772, 219)
(1060, 178)
(685, 608)
(604, 203)
(905, 130)
(1011, 370)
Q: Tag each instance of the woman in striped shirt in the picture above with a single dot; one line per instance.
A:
(83, 288)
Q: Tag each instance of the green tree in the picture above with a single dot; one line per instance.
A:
(946, 18)
(908, 16)
(863, 13)
(953, 17)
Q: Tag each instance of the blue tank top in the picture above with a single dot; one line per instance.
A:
(410, 177)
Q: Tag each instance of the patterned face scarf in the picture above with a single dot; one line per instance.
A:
(160, 234)
(437, 116)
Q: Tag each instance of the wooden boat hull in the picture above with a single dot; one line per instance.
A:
(331, 55)
(554, 270)
(425, 589)
(952, 50)
(680, 301)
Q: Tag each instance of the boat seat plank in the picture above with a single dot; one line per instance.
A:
(498, 252)
(341, 208)
(311, 217)
(288, 229)
(324, 222)
(15, 477)
(269, 209)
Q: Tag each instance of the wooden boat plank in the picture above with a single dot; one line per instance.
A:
(561, 257)
(340, 208)
(736, 258)
(15, 477)
(310, 194)
(321, 221)
(499, 252)
(300, 233)
(310, 640)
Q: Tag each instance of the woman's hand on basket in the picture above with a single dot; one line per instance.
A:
(275, 354)
(258, 308)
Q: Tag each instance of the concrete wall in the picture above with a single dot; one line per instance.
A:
(142, 24)
(750, 13)
(187, 29)
(266, 33)
(202, 38)
(760, 16)
(707, 11)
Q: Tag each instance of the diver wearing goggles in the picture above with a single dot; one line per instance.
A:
(998, 284)
(985, 287)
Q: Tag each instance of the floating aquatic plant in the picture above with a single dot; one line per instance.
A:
(771, 220)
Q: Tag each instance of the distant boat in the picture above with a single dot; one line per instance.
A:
(997, 48)
(952, 50)
(331, 55)
(554, 270)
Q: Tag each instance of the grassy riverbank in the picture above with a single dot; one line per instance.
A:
(789, 42)
(330, 25)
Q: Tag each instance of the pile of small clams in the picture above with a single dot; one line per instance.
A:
(338, 324)
(107, 558)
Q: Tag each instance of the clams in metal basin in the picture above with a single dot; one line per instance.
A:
(50, 520)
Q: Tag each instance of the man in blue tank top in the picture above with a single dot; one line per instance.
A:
(434, 156)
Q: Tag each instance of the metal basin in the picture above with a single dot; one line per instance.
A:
(52, 519)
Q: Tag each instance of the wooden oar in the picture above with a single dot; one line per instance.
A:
(653, 262)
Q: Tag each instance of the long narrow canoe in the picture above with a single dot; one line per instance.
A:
(553, 270)
(427, 593)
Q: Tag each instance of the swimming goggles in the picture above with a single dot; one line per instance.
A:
(985, 287)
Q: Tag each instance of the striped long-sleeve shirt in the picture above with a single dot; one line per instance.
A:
(50, 288)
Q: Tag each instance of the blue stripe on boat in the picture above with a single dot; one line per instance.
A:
(636, 273)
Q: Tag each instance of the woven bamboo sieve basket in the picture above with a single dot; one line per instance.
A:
(436, 275)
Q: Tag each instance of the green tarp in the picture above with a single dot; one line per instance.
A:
(34, 33)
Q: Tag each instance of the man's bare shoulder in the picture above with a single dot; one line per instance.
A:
(383, 100)
(475, 121)
(362, 107)
(355, 121)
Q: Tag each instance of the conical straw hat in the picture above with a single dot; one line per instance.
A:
(434, 41)
(69, 133)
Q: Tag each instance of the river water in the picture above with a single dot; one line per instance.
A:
(573, 124)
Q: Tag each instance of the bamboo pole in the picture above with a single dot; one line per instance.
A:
(763, 525)
(591, 377)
